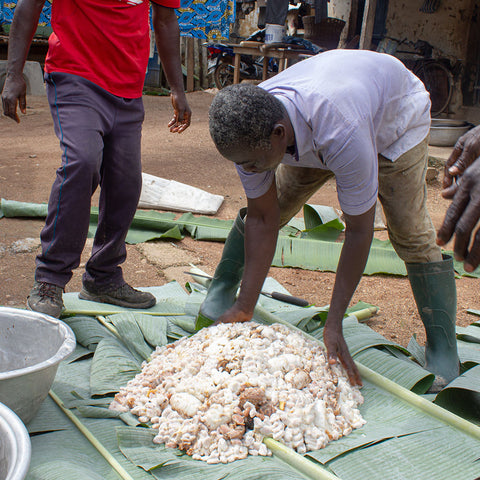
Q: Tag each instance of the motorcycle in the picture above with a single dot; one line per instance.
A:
(221, 60)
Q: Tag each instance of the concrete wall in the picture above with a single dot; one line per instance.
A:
(447, 29)
(248, 25)
(340, 9)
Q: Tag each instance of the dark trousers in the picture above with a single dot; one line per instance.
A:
(100, 140)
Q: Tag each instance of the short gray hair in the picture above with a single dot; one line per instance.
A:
(242, 116)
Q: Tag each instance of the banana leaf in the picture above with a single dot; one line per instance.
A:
(328, 232)
(398, 436)
(72, 381)
(416, 350)
(113, 366)
(458, 267)
(359, 337)
(12, 208)
(322, 223)
(468, 334)
(398, 419)
(323, 255)
(132, 335)
(468, 353)
(136, 235)
(317, 251)
(316, 215)
(48, 419)
(165, 463)
(61, 452)
(88, 332)
(205, 228)
(171, 299)
(462, 396)
(154, 329)
(53, 458)
(403, 372)
(440, 453)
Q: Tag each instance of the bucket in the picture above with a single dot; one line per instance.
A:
(31, 347)
(274, 33)
(15, 446)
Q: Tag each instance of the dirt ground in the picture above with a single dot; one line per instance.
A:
(30, 154)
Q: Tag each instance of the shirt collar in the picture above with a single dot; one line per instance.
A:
(301, 129)
(292, 150)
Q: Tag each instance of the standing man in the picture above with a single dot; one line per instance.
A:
(94, 73)
(364, 118)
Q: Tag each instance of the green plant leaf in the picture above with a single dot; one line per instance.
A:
(206, 228)
(137, 235)
(462, 395)
(169, 464)
(112, 367)
(468, 334)
(316, 215)
(416, 457)
(325, 232)
(403, 372)
(323, 256)
(87, 330)
(131, 334)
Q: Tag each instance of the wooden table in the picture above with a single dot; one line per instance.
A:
(281, 51)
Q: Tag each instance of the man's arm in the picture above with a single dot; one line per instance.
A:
(261, 232)
(465, 152)
(461, 218)
(461, 182)
(24, 25)
(358, 238)
(167, 38)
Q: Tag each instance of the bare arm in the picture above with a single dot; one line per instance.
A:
(167, 38)
(358, 238)
(24, 25)
(261, 232)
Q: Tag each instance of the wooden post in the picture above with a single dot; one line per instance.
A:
(236, 69)
(190, 63)
(265, 67)
(352, 19)
(367, 24)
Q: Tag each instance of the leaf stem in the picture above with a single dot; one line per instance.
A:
(91, 438)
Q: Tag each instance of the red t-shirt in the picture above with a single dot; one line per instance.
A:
(104, 41)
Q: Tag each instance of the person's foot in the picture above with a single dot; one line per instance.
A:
(46, 298)
(123, 296)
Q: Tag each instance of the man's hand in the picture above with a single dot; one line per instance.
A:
(234, 315)
(462, 217)
(14, 91)
(337, 350)
(182, 114)
(466, 150)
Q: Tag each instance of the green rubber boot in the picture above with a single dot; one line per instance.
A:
(228, 274)
(433, 286)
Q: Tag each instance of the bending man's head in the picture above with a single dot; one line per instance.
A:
(242, 118)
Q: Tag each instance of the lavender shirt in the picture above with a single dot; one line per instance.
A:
(346, 107)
